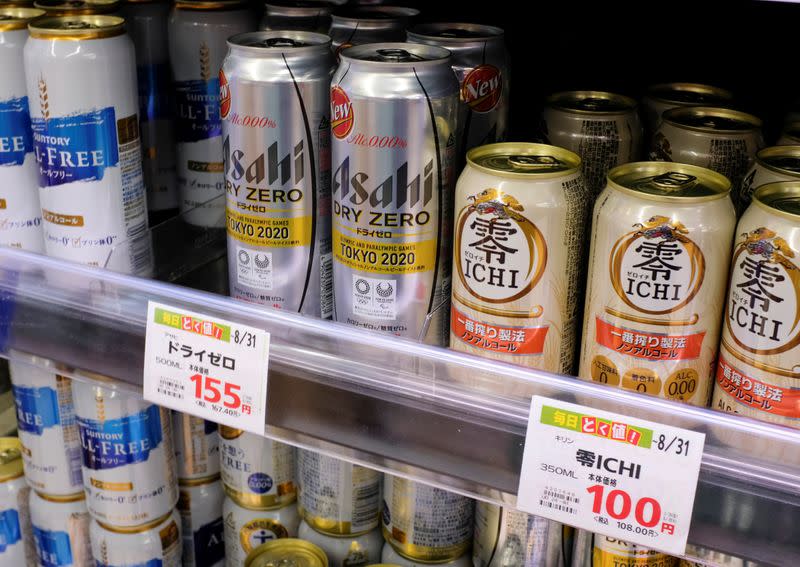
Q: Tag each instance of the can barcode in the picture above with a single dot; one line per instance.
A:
(326, 285)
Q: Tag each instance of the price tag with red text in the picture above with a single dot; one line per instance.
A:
(206, 366)
(622, 477)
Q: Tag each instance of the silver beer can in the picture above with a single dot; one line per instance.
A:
(78, 7)
(345, 551)
(481, 65)
(51, 446)
(373, 24)
(84, 114)
(196, 446)
(157, 543)
(258, 473)
(776, 163)
(393, 116)
(198, 31)
(200, 506)
(128, 456)
(666, 96)
(61, 530)
(147, 25)
(602, 128)
(20, 213)
(246, 529)
(16, 533)
(393, 558)
(276, 141)
(297, 15)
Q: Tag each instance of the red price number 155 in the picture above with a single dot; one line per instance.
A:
(212, 390)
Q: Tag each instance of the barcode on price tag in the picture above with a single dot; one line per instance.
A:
(206, 366)
(622, 477)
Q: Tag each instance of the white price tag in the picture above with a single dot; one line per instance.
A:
(206, 366)
(611, 474)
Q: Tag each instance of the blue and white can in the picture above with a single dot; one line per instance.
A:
(157, 544)
(16, 539)
(200, 506)
(129, 471)
(20, 214)
(51, 446)
(61, 531)
(196, 447)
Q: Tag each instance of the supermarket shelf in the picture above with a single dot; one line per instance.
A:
(419, 411)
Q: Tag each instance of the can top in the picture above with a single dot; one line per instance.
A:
(288, 552)
(77, 27)
(591, 102)
(204, 5)
(711, 119)
(524, 160)
(395, 54)
(70, 7)
(265, 43)
(444, 32)
(782, 197)
(667, 181)
(299, 8)
(689, 94)
(15, 3)
(374, 14)
(10, 458)
(782, 159)
(17, 18)
(135, 529)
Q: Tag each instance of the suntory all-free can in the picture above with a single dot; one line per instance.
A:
(246, 529)
(776, 163)
(78, 7)
(128, 457)
(369, 24)
(157, 543)
(481, 64)
(47, 428)
(337, 497)
(288, 551)
(345, 551)
(602, 128)
(196, 446)
(520, 216)
(505, 537)
(20, 213)
(147, 25)
(275, 113)
(61, 530)
(595, 550)
(723, 140)
(297, 15)
(666, 96)
(16, 534)
(198, 31)
(392, 558)
(258, 473)
(426, 523)
(656, 280)
(393, 117)
(200, 506)
(81, 78)
(759, 357)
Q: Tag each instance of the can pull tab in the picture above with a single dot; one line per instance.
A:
(534, 162)
(594, 103)
(397, 55)
(77, 25)
(9, 455)
(674, 180)
(281, 42)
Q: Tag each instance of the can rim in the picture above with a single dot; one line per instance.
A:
(316, 523)
(526, 149)
(287, 9)
(316, 41)
(461, 550)
(439, 55)
(553, 101)
(395, 14)
(722, 190)
(674, 116)
(139, 528)
(20, 17)
(77, 497)
(254, 502)
(493, 33)
(778, 151)
(313, 552)
(89, 7)
(765, 195)
(207, 5)
(721, 93)
(192, 482)
(106, 26)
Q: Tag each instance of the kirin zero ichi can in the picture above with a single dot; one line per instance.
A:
(520, 213)
(660, 249)
(81, 79)
(595, 550)
(196, 447)
(48, 430)
(759, 359)
(602, 128)
(425, 523)
(480, 62)
(128, 456)
(276, 140)
(147, 25)
(200, 505)
(198, 31)
(345, 551)
(723, 140)
(297, 15)
(369, 24)
(393, 115)
(20, 213)
(247, 529)
(16, 535)
(666, 96)
(61, 530)
(157, 543)
(776, 163)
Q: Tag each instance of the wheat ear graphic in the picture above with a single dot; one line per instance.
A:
(100, 405)
(205, 62)
(43, 103)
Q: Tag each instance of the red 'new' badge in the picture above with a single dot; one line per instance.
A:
(224, 95)
(341, 113)
(482, 87)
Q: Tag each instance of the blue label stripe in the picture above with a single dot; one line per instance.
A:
(154, 82)
(15, 131)
(119, 442)
(37, 408)
(52, 548)
(10, 532)
(197, 116)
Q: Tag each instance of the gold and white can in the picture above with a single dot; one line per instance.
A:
(519, 230)
(666, 96)
(595, 550)
(656, 280)
(290, 552)
(759, 359)
(247, 529)
(392, 558)
(156, 543)
(348, 550)
(776, 163)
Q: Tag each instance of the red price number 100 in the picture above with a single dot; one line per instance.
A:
(618, 505)
(208, 389)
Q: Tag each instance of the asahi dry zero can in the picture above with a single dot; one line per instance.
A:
(157, 543)
(520, 213)
(196, 447)
(666, 96)
(659, 255)
(393, 114)
(275, 112)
